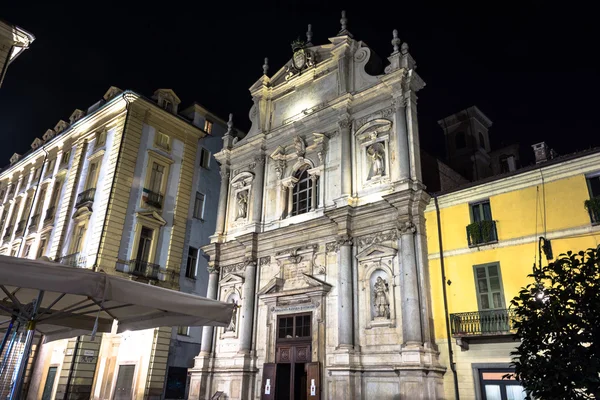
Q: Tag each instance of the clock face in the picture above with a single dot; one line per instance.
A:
(299, 59)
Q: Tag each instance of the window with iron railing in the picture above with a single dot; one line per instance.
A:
(73, 260)
(482, 323)
(592, 205)
(86, 197)
(482, 229)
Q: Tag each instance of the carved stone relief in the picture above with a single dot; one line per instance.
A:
(377, 157)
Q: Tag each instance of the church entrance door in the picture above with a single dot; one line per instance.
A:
(293, 376)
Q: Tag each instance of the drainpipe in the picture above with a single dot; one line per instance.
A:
(445, 296)
(33, 201)
(112, 185)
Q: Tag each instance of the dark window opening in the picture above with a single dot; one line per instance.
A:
(460, 140)
(294, 327)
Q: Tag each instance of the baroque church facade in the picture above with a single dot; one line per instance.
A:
(320, 236)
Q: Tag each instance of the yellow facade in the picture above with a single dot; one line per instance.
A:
(546, 200)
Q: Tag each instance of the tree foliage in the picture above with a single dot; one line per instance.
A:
(557, 319)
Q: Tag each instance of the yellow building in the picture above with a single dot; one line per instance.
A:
(490, 231)
(13, 41)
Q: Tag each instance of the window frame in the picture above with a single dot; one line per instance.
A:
(91, 181)
(158, 141)
(100, 139)
(195, 213)
(480, 203)
(463, 136)
(208, 125)
(294, 326)
(191, 269)
(205, 155)
(296, 192)
(502, 294)
(588, 179)
(42, 246)
(74, 238)
(181, 328)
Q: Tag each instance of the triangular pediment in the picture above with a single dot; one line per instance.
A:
(273, 286)
(231, 279)
(153, 217)
(316, 283)
(376, 251)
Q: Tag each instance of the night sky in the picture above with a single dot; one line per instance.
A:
(530, 67)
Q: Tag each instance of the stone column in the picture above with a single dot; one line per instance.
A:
(401, 139)
(247, 311)
(258, 189)
(345, 292)
(409, 289)
(211, 293)
(223, 194)
(346, 155)
(288, 195)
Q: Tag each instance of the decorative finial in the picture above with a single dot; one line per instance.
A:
(395, 41)
(404, 48)
(266, 66)
(309, 35)
(344, 21)
(230, 125)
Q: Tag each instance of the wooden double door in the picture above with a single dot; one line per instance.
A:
(293, 376)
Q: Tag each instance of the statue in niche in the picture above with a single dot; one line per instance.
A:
(376, 154)
(242, 204)
(382, 304)
(232, 323)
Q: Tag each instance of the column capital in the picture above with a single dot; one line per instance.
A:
(406, 228)
(344, 240)
(212, 268)
(344, 121)
(224, 172)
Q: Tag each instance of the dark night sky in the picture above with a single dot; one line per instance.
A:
(530, 67)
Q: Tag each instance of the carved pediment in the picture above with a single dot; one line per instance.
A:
(316, 283)
(152, 217)
(273, 286)
(231, 280)
(242, 179)
(376, 251)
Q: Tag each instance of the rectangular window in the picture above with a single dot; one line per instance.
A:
(144, 245)
(199, 206)
(156, 177)
(163, 141)
(50, 167)
(495, 387)
(47, 394)
(183, 330)
(78, 236)
(65, 157)
(101, 139)
(27, 250)
(208, 126)
(192, 259)
(296, 326)
(204, 158)
(92, 177)
(40, 202)
(489, 287)
(2, 193)
(481, 211)
(36, 174)
(593, 203)
(167, 105)
(42, 247)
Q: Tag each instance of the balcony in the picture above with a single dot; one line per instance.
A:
(140, 268)
(593, 208)
(33, 224)
(482, 232)
(483, 324)
(8, 232)
(85, 198)
(73, 260)
(153, 199)
(49, 216)
(20, 227)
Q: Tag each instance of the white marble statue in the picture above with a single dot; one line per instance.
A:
(242, 204)
(382, 304)
(232, 323)
(376, 154)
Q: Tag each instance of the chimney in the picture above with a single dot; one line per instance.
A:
(542, 152)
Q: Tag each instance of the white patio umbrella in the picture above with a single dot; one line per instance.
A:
(62, 302)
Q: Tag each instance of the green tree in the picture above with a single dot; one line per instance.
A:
(557, 318)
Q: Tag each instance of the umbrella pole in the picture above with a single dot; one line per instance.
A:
(7, 335)
(15, 393)
(9, 348)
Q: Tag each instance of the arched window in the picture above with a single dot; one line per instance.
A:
(481, 141)
(304, 194)
(460, 140)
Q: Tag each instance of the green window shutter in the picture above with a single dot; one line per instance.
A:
(489, 287)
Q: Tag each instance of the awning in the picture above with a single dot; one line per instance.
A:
(75, 300)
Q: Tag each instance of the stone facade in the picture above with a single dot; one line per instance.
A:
(320, 225)
(13, 41)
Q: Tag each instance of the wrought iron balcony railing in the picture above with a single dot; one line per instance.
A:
(593, 207)
(73, 260)
(20, 227)
(140, 268)
(153, 199)
(8, 232)
(85, 198)
(482, 232)
(33, 223)
(483, 323)
(49, 215)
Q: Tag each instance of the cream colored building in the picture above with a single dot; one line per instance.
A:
(13, 41)
(320, 235)
(116, 190)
